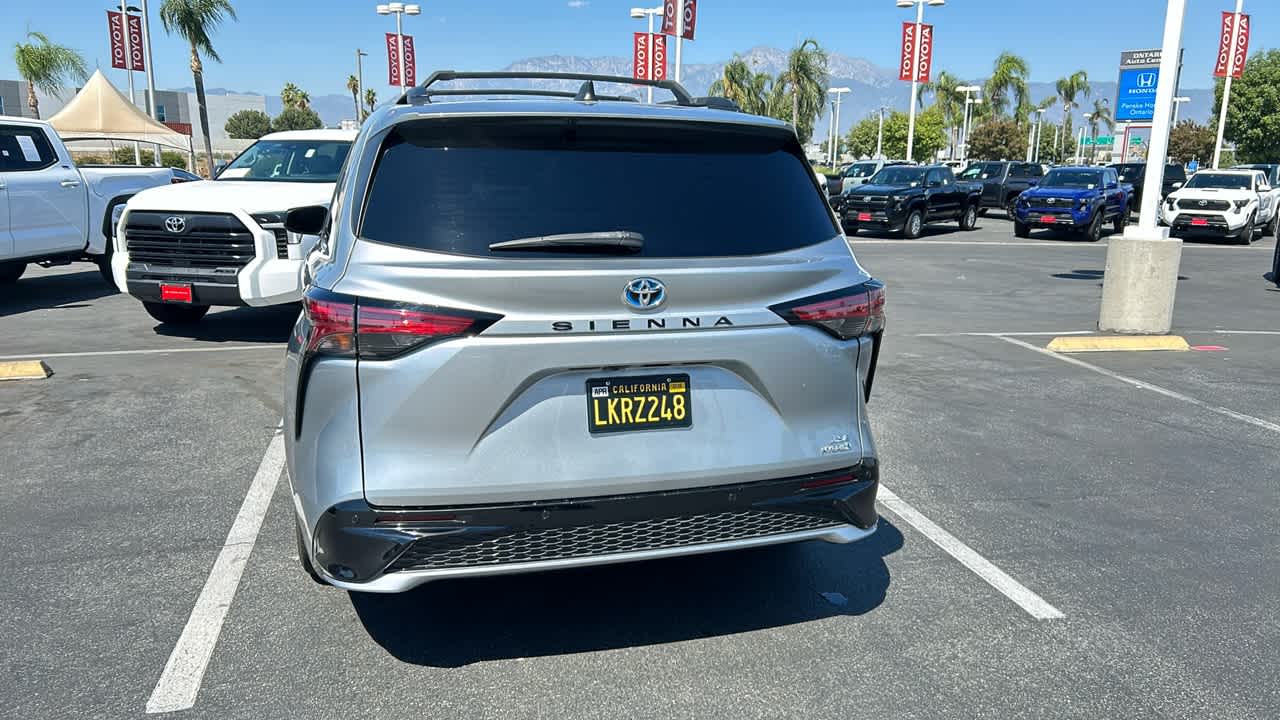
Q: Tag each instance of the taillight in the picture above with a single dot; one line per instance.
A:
(375, 330)
(846, 314)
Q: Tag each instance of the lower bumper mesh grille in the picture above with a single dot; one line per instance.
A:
(479, 548)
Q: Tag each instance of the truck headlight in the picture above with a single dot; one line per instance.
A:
(1240, 204)
(274, 221)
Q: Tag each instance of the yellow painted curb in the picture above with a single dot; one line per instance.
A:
(24, 370)
(1117, 343)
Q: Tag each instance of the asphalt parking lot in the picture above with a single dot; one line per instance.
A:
(1082, 537)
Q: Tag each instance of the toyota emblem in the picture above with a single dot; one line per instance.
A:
(175, 224)
(1203, 203)
(1051, 201)
(644, 294)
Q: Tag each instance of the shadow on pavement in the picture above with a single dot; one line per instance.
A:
(267, 324)
(1089, 275)
(454, 623)
(36, 292)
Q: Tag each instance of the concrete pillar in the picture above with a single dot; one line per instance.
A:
(1140, 283)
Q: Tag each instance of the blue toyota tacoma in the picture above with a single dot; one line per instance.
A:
(1081, 200)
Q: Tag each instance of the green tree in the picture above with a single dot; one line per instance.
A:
(931, 135)
(46, 66)
(804, 83)
(370, 100)
(248, 125)
(1253, 115)
(194, 20)
(296, 118)
(353, 87)
(740, 84)
(1070, 89)
(1007, 84)
(998, 138)
(1189, 140)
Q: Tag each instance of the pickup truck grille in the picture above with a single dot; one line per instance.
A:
(203, 240)
(864, 203)
(1052, 202)
(1204, 205)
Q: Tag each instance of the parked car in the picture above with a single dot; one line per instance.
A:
(52, 212)
(1175, 176)
(905, 198)
(860, 172)
(1230, 204)
(550, 374)
(1002, 181)
(1080, 199)
(187, 247)
(1272, 173)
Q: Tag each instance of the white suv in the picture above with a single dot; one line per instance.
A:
(1222, 203)
(183, 248)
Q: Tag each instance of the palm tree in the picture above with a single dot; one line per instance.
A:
(1101, 115)
(292, 96)
(370, 100)
(1069, 88)
(193, 20)
(46, 66)
(740, 84)
(949, 101)
(353, 87)
(804, 80)
(1008, 82)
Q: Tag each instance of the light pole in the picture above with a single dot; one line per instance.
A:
(1226, 83)
(125, 9)
(969, 102)
(151, 78)
(1080, 143)
(880, 136)
(915, 66)
(1039, 131)
(1177, 103)
(835, 123)
(1141, 276)
(360, 56)
(400, 10)
(637, 14)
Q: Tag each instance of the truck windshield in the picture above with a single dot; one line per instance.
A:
(860, 170)
(981, 171)
(315, 161)
(899, 176)
(1220, 181)
(1087, 179)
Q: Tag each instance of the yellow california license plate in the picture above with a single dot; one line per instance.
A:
(649, 402)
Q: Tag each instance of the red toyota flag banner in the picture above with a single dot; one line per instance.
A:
(906, 67)
(115, 29)
(649, 56)
(669, 17)
(1224, 46)
(393, 60)
(410, 62)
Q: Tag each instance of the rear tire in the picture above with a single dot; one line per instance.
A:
(1273, 226)
(968, 218)
(175, 314)
(1021, 230)
(1009, 207)
(1121, 221)
(303, 558)
(914, 225)
(11, 271)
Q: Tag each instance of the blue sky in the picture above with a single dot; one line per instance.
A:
(312, 42)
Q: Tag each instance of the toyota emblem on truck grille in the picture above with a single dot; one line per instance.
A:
(175, 224)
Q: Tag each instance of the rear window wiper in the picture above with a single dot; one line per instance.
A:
(615, 241)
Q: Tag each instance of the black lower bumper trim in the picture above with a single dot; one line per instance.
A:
(202, 293)
(356, 542)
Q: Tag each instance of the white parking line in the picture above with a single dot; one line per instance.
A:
(995, 243)
(1225, 412)
(158, 351)
(1033, 604)
(180, 682)
(1038, 333)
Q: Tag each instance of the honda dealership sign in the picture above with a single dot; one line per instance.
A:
(1136, 91)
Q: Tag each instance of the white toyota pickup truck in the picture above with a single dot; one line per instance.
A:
(1234, 204)
(184, 248)
(51, 212)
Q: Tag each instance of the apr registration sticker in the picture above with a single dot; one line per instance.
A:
(649, 402)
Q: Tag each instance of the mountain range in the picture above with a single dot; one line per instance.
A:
(872, 86)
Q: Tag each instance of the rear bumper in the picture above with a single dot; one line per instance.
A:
(359, 547)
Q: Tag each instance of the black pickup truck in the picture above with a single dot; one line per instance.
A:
(903, 198)
(1175, 176)
(1003, 181)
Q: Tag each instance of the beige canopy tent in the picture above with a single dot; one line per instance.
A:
(99, 112)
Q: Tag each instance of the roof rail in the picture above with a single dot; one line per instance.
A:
(418, 94)
(682, 96)
(715, 102)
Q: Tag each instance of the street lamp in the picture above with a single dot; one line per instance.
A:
(399, 10)
(360, 56)
(1034, 151)
(1177, 103)
(1080, 143)
(880, 135)
(835, 123)
(915, 66)
(969, 102)
(640, 14)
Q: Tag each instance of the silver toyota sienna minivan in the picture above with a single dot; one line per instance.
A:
(552, 330)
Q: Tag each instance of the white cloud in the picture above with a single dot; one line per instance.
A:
(576, 4)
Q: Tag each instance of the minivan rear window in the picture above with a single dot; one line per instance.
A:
(690, 189)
